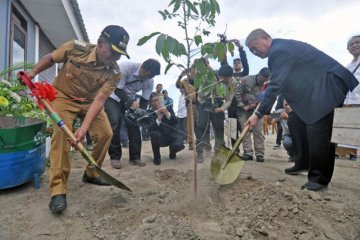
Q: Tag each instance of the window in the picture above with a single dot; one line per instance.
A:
(18, 36)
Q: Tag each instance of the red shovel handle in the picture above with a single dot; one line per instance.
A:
(26, 80)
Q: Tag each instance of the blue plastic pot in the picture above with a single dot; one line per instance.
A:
(22, 151)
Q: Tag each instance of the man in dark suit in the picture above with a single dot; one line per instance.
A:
(163, 129)
(314, 84)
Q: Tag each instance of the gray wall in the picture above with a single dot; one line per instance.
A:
(45, 47)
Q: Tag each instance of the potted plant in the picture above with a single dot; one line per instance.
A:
(22, 132)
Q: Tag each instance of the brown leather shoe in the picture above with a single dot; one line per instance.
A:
(116, 164)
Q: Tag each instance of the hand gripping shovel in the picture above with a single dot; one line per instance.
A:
(226, 166)
(44, 93)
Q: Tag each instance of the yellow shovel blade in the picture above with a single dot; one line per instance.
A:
(231, 171)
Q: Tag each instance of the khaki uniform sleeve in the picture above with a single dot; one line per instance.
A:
(61, 54)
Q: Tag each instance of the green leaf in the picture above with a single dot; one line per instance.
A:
(181, 66)
(197, 81)
(168, 67)
(202, 9)
(146, 38)
(165, 51)
(191, 7)
(172, 2)
(219, 51)
(177, 6)
(171, 43)
(231, 48)
(207, 48)
(206, 8)
(219, 90)
(162, 14)
(198, 40)
(205, 32)
(212, 8)
(217, 7)
(180, 49)
(160, 43)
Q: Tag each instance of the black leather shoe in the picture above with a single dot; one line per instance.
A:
(174, 150)
(313, 186)
(177, 149)
(260, 158)
(97, 180)
(246, 157)
(172, 155)
(58, 203)
(295, 170)
(157, 161)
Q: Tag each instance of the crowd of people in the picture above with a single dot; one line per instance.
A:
(307, 83)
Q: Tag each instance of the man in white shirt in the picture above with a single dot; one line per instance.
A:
(182, 115)
(135, 77)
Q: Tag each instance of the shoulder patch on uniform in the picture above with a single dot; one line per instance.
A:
(80, 45)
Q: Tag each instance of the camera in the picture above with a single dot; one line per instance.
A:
(137, 117)
(222, 38)
(208, 106)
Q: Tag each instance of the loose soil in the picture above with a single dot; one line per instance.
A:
(263, 203)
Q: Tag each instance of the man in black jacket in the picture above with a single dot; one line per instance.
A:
(314, 84)
(163, 130)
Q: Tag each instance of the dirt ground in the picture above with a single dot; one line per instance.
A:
(263, 203)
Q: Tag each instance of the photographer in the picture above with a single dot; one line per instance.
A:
(135, 77)
(163, 129)
(214, 112)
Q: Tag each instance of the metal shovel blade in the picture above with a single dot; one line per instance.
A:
(229, 173)
(113, 181)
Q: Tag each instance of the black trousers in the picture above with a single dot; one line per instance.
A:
(298, 135)
(203, 121)
(114, 110)
(182, 127)
(158, 139)
(321, 151)
(279, 133)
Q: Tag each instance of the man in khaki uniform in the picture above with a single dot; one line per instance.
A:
(89, 75)
(247, 97)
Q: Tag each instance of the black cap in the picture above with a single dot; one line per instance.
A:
(118, 37)
(164, 91)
